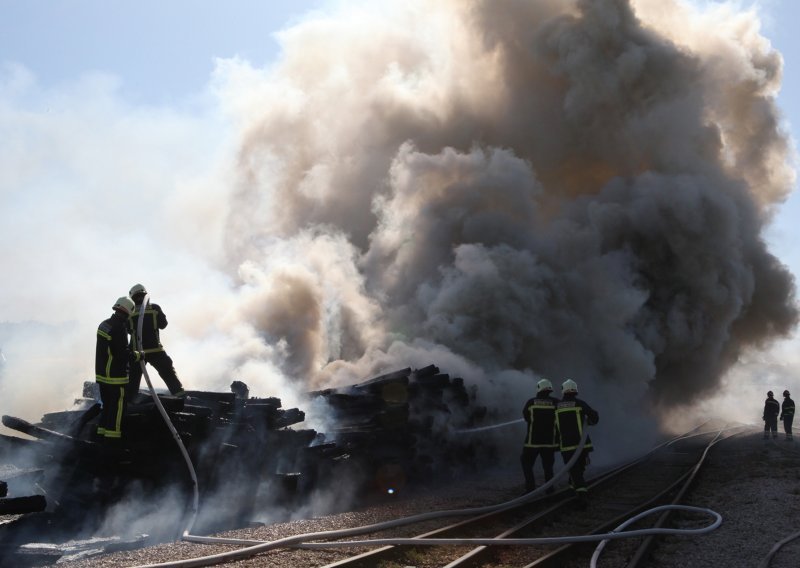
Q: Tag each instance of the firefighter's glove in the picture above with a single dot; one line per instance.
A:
(138, 356)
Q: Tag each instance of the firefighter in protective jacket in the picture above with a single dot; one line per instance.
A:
(771, 409)
(111, 368)
(570, 413)
(540, 437)
(154, 353)
(787, 415)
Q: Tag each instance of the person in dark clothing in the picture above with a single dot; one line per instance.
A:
(154, 353)
(111, 368)
(540, 438)
(570, 413)
(771, 409)
(787, 415)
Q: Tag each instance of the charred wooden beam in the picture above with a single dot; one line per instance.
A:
(286, 418)
(220, 402)
(17, 505)
(425, 372)
(377, 384)
(26, 427)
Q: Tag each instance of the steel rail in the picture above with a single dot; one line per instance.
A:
(475, 554)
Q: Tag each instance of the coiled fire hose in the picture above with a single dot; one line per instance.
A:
(167, 421)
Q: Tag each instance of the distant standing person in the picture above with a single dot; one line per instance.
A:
(771, 409)
(569, 424)
(540, 439)
(154, 353)
(787, 415)
(111, 368)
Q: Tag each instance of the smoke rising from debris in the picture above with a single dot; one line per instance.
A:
(578, 189)
(571, 189)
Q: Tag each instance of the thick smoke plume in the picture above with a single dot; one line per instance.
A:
(505, 188)
(578, 189)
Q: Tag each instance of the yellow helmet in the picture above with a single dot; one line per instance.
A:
(124, 304)
(569, 387)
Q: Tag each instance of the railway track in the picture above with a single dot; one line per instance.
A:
(662, 476)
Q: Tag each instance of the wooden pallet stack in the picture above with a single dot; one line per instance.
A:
(404, 425)
(395, 428)
(234, 443)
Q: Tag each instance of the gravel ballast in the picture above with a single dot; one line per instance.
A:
(753, 483)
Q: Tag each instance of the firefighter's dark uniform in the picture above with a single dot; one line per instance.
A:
(771, 409)
(787, 415)
(569, 424)
(111, 373)
(155, 355)
(540, 439)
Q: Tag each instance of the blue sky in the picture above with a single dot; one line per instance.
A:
(780, 28)
(162, 51)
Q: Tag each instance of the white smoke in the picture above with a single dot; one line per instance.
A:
(570, 189)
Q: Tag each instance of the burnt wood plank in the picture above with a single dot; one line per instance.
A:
(16, 505)
(42, 433)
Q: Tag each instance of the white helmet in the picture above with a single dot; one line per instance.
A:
(544, 384)
(137, 289)
(124, 304)
(569, 387)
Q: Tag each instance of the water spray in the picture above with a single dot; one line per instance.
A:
(490, 427)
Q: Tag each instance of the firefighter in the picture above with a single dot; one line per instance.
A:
(154, 353)
(570, 414)
(111, 368)
(771, 409)
(540, 439)
(787, 415)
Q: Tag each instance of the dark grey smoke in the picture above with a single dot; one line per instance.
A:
(572, 189)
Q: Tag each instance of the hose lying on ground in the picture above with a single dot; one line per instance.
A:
(302, 541)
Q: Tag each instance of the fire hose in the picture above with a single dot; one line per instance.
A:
(254, 547)
(775, 549)
(167, 421)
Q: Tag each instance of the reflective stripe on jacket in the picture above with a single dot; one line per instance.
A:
(569, 422)
(111, 353)
(787, 408)
(540, 417)
(154, 320)
(771, 407)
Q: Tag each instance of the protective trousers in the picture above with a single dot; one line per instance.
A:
(771, 425)
(576, 480)
(787, 426)
(113, 412)
(528, 459)
(162, 363)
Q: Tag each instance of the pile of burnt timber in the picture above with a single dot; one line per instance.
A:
(235, 444)
(385, 432)
(405, 425)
